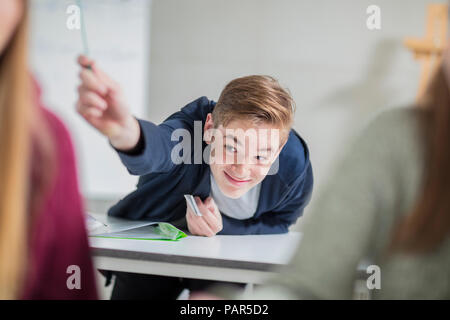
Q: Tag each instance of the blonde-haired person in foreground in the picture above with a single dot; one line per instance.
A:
(41, 219)
(389, 201)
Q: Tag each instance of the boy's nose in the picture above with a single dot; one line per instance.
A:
(240, 171)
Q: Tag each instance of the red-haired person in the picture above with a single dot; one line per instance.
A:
(387, 203)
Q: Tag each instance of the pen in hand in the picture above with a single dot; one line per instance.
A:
(84, 34)
(192, 204)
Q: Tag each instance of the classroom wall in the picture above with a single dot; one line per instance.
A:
(118, 34)
(339, 72)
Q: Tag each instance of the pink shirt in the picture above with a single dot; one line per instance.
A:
(58, 238)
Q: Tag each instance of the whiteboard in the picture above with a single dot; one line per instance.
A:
(118, 33)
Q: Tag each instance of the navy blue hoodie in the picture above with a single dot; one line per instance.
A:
(160, 190)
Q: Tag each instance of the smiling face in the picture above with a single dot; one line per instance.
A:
(10, 14)
(242, 153)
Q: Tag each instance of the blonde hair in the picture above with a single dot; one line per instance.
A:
(257, 98)
(14, 150)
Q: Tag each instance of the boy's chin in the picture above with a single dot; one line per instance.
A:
(233, 193)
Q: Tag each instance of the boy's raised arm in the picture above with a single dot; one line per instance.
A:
(102, 105)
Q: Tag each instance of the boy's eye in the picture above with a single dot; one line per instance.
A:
(230, 148)
(261, 158)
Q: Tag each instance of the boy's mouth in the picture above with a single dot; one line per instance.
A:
(235, 181)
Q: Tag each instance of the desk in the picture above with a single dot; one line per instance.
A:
(245, 259)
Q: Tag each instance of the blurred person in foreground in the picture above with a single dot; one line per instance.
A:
(389, 202)
(42, 230)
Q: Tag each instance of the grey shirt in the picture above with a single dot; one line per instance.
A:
(376, 183)
(241, 208)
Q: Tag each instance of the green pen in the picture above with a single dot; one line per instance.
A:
(83, 32)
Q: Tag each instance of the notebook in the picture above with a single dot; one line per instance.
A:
(100, 226)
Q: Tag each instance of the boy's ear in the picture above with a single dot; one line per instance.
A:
(207, 132)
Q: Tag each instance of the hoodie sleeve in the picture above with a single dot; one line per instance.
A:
(158, 151)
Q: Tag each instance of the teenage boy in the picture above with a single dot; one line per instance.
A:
(250, 174)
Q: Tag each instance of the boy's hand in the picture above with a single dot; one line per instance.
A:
(209, 223)
(101, 103)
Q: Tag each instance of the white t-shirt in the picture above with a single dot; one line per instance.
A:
(241, 208)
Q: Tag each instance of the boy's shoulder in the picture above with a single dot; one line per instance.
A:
(194, 111)
(294, 159)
